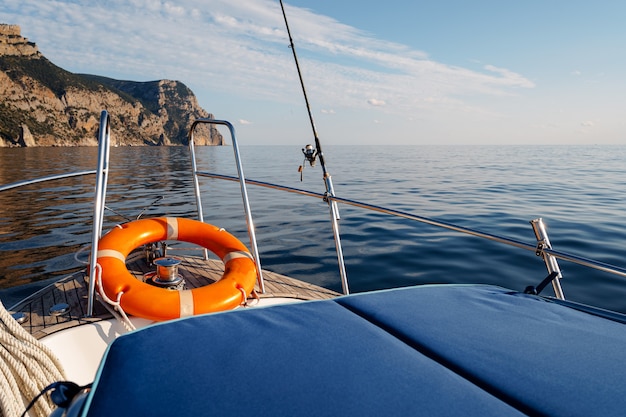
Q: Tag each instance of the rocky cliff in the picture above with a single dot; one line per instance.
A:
(44, 105)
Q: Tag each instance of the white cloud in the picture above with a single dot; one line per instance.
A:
(244, 122)
(587, 123)
(376, 102)
(240, 49)
(510, 78)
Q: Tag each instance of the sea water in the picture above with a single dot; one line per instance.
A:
(579, 191)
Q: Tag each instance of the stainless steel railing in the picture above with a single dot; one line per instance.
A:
(242, 182)
(44, 179)
(541, 248)
(101, 172)
(102, 175)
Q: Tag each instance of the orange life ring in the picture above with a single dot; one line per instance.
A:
(147, 301)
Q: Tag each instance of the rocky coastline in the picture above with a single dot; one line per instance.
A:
(42, 104)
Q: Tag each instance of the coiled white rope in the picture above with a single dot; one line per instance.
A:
(27, 366)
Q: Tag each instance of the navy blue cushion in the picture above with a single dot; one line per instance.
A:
(536, 355)
(438, 350)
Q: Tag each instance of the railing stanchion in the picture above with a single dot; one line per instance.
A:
(196, 183)
(242, 184)
(102, 175)
(543, 242)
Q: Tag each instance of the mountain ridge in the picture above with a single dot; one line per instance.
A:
(42, 104)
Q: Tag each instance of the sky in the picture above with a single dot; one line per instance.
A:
(397, 72)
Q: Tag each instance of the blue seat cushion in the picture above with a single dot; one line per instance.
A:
(429, 350)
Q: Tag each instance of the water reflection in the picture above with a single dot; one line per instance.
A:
(495, 189)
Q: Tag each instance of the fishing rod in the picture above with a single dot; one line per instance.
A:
(310, 154)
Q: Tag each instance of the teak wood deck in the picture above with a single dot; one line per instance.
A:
(73, 291)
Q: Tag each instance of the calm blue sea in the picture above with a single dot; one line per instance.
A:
(579, 191)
